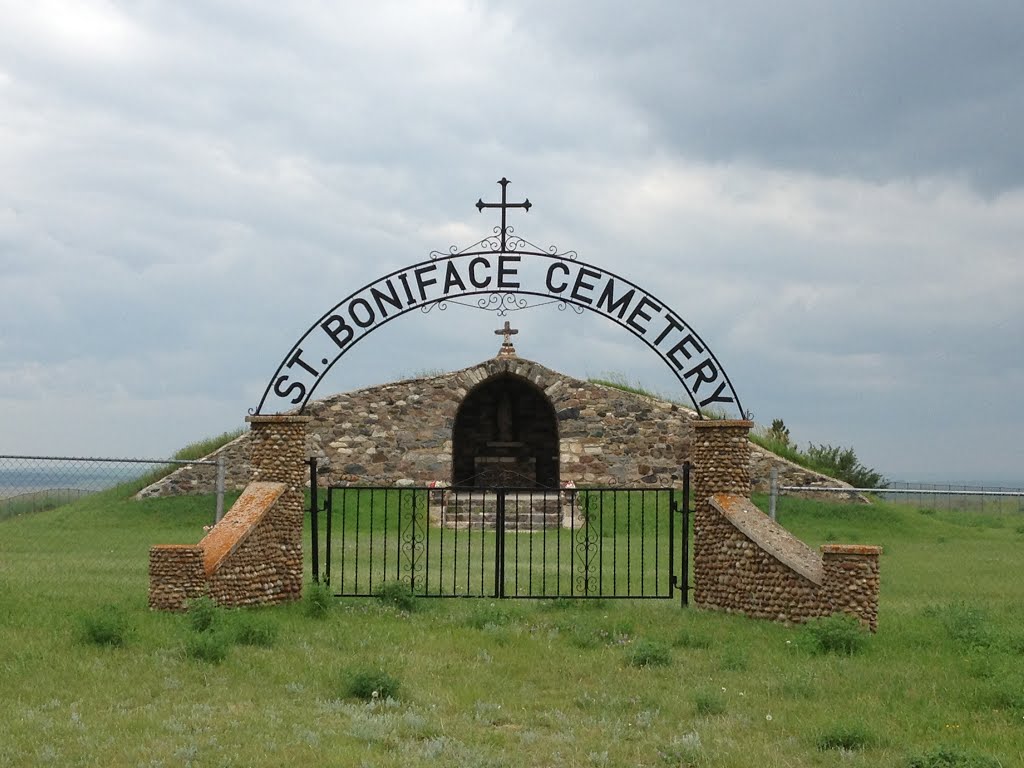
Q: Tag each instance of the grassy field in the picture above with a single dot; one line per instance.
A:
(89, 677)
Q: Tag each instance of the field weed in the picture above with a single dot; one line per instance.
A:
(838, 634)
(648, 653)
(397, 595)
(317, 601)
(210, 647)
(370, 684)
(204, 615)
(109, 626)
(951, 757)
(709, 703)
(843, 736)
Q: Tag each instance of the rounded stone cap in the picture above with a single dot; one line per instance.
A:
(719, 423)
(278, 418)
(850, 549)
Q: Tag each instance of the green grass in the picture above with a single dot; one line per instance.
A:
(505, 683)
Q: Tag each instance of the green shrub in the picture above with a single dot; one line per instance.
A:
(252, 630)
(1007, 696)
(840, 634)
(734, 660)
(709, 703)
(211, 647)
(370, 684)
(966, 625)
(109, 627)
(951, 757)
(842, 463)
(488, 615)
(318, 600)
(847, 736)
(397, 594)
(204, 614)
(692, 640)
(648, 653)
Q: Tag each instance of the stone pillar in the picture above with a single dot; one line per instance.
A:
(278, 454)
(176, 575)
(850, 581)
(720, 461)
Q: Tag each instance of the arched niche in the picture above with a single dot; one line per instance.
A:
(505, 434)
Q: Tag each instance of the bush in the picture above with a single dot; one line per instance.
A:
(211, 647)
(648, 653)
(688, 639)
(709, 703)
(966, 625)
(951, 757)
(397, 594)
(108, 627)
(318, 600)
(844, 736)
(839, 634)
(370, 684)
(734, 660)
(491, 615)
(204, 614)
(250, 630)
(842, 463)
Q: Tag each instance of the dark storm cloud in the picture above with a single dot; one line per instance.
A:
(875, 90)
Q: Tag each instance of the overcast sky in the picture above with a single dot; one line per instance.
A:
(831, 194)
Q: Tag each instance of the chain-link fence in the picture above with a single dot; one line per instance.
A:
(928, 496)
(37, 483)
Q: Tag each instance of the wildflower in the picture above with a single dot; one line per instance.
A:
(768, 718)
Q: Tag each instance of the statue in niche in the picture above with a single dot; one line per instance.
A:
(503, 417)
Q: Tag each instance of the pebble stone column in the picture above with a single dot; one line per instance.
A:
(278, 454)
(720, 459)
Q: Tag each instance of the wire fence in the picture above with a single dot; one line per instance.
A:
(37, 483)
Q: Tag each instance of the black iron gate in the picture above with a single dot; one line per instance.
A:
(502, 542)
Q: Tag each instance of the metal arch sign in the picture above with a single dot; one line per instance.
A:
(500, 273)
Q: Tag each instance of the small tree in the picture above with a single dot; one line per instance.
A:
(779, 432)
(842, 463)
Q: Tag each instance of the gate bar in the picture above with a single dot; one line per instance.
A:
(686, 535)
(314, 534)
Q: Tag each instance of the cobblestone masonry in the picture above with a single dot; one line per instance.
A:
(253, 556)
(744, 562)
(402, 432)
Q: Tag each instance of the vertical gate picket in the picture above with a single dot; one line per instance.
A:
(314, 538)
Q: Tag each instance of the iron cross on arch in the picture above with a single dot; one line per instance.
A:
(525, 205)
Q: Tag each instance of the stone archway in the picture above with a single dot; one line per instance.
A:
(505, 433)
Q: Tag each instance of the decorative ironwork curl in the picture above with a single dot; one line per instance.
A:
(502, 303)
(563, 305)
(413, 543)
(586, 545)
(440, 304)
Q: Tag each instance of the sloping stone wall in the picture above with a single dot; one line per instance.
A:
(238, 562)
(759, 569)
(403, 432)
(744, 562)
(253, 556)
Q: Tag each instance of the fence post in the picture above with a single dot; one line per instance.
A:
(773, 491)
(220, 488)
